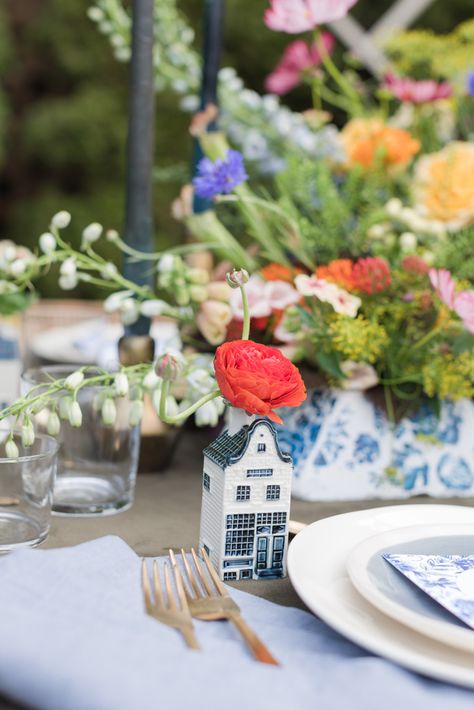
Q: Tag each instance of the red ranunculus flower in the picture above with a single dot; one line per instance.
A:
(257, 378)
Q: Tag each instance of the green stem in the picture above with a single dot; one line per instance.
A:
(245, 306)
(389, 404)
(178, 418)
(334, 72)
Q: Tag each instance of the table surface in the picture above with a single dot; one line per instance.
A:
(166, 515)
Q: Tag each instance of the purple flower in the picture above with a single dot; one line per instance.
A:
(470, 83)
(221, 176)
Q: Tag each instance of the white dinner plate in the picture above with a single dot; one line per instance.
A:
(317, 567)
(387, 589)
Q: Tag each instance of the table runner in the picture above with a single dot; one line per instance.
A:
(74, 636)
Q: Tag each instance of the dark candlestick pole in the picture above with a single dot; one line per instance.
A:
(140, 150)
(212, 45)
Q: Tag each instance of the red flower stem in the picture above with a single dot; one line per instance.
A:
(178, 418)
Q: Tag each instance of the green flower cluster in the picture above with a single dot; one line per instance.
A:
(449, 376)
(358, 339)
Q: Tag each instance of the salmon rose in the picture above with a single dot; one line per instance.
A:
(257, 378)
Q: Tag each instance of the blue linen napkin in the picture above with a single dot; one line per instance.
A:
(74, 636)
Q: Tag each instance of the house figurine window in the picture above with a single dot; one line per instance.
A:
(259, 472)
(273, 493)
(242, 493)
(261, 447)
(206, 482)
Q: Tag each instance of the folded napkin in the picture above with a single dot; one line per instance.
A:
(74, 636)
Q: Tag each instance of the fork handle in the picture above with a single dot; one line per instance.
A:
(190, 638)
(257, 647)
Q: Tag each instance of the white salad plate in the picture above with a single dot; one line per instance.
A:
(395, 595)
(317, 560)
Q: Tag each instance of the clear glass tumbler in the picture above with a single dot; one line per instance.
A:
(97, 464)
(26, 491)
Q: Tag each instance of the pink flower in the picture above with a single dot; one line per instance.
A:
(297, 58)
(264, 297)
(443, 283)
(342, 301)
(417, 92)
(464, 307)
(294, 16)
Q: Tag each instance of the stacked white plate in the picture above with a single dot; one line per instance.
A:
(337, 568)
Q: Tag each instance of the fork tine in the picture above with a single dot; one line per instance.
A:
(169, 588)
(213, 574)
(159, 603)
(146, 587)
(190, 577)
(201, 574)
(179, 582)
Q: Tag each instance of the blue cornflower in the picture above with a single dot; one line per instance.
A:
(221, 176)
(470, 83)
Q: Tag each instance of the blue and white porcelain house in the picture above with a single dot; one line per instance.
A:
(246, 491)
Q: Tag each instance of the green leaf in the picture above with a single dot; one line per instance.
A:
(330, 363)
(463, 342)
(11, 303)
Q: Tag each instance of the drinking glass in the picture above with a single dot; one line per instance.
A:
(26, 491)
(97, 463)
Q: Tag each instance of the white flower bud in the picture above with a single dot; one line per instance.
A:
(68, 283)
(61, 219)
(197, 276)
(136, 412)
(68, 267)
(153, 307)
(207, 415)
(11, 449)
(109, 412)
(129, 311)
(91, 233)
(198, 294)
(47, 243)
(408, 241)
(237, 278)
(53, 425)
(151, 380)
(112, 235)
(109, 271)
(27, 432)
(65, 407)
(121, 384)
(95, 14)
(114, 302)
(74, 380)
(393, 207)
(166, 264)
(18, 267)
(429, 257)
(122, 54)
(75, 415)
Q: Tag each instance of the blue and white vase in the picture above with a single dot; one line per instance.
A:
(344, 448)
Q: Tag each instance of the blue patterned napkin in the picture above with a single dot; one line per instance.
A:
(74, 636)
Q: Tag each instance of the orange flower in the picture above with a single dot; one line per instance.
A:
(369, 142)
(444, 185)
(338, 271)
(278, 272)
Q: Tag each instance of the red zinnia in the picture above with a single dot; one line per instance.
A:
(371, 275)
(257, 378)
(415, 264)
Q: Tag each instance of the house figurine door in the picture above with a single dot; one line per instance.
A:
(246, 500)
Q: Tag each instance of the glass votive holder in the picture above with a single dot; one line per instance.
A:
(97, 463)
(26, 491)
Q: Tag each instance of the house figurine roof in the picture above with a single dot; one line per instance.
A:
(228, 449)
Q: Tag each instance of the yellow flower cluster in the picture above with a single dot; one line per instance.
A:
(450, 377)
(357, 338)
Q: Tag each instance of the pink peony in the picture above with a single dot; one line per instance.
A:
(297, 58)
(464, 307)
(443, 283)
(294, 16)
(417, 92)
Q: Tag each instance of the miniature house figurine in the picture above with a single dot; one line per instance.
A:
(246, 500)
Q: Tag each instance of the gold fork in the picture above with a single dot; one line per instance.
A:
(167, 611)
(210, 602)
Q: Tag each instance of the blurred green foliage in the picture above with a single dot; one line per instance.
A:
(63, 102)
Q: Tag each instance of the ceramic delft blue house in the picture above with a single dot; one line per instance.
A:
(246, 491)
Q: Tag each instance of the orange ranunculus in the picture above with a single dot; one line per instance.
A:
(444, 185)
(279, 272)
(338, 271)
(257, 378)
(370, 142)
